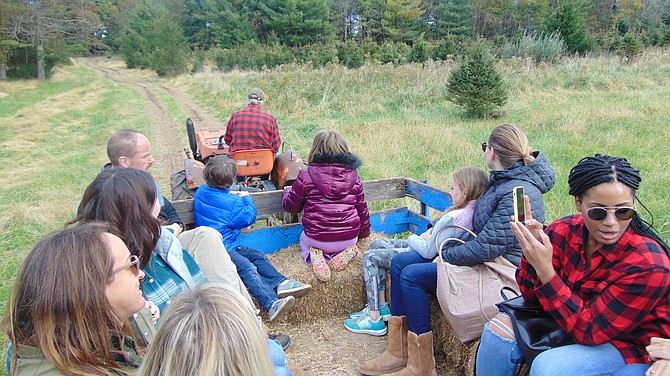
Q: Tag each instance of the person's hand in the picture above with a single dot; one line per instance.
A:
(176, 228)
(659, 368)
(659, 348)
(426, 234)
(240, 193)
(153, 308)
(535, 244)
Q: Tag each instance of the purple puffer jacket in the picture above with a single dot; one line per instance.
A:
(331, 195)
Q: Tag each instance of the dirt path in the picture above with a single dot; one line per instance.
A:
(169, 137)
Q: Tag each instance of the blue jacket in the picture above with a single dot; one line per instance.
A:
(170, 271)
(494, 209)
(225, 212)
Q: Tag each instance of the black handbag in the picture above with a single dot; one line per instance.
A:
(535, 329)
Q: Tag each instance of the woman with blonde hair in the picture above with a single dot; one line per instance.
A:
(209, 331)
(70, 307)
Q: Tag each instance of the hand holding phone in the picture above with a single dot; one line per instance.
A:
(519, 207)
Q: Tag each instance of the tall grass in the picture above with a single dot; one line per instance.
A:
(52, 142)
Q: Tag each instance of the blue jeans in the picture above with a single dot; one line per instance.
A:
(412, 279)
(498, 356)
(258, 274)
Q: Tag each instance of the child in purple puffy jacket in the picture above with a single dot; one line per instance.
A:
(330, 194)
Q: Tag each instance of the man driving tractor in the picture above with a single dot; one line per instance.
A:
(252, 128)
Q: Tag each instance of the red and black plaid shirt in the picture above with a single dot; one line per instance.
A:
(252, 128)
(621, 298)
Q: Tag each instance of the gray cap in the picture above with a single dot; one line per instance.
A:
(256, 94)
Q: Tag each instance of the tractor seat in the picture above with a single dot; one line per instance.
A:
(253, 162)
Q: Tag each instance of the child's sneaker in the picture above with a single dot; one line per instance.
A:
(366, 325)
(293, 288)
(342, 259)
(280, 307)
(319, 265)
(384, 311)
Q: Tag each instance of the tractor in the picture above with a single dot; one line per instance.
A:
(257, 170)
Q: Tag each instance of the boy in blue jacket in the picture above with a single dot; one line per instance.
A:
(229, 212)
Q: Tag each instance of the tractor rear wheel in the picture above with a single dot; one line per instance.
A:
(179, 187)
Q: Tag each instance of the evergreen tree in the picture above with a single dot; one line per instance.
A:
(218, 23)
(447, 17)
(155, 39)
(298, 22)
(569, 18)
(170, 54)
(390, 20)
(476, 85)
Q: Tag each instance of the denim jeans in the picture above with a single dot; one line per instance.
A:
(258, 274)
(412, 279)
(585, 360)
(498, 356)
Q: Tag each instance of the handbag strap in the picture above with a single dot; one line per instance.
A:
(507, 288)
(445, 241)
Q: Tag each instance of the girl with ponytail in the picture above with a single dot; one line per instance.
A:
(603, 274)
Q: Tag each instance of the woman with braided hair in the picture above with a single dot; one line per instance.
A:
(602, 274)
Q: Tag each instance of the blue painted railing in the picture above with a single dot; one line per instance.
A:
(391, 221)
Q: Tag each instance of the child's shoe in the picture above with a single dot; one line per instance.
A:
(342, 259)
(366, 325)
(293, 288)
(280, 307)
(283, 339)
(319, 265)
(384, 311)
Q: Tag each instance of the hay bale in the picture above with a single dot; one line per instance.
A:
(342, 295)
(459, 358)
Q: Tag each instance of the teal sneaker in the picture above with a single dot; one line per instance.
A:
(385, 312)
(365, 325)
(280, 307)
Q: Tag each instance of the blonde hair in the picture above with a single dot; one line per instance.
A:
(328, 142)
(511, 145)
(208, 331)
(472, 181)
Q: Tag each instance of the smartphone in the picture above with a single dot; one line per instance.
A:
(519, 208)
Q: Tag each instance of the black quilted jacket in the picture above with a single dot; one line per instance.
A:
(494, 209)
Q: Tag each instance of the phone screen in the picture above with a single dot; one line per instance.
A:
(519, 210)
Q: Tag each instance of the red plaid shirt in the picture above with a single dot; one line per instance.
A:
(621, 298)
(252, 128)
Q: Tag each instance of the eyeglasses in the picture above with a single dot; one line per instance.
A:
(133, 265)
(622, 213)
(485, 145)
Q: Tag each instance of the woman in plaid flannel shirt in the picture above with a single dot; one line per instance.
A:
(603, 274)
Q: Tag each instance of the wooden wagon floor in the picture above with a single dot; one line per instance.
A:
(326, 348)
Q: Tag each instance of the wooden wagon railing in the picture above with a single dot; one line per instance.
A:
(390, 221)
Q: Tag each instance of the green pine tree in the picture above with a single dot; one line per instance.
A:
(477, 85)
(569, 18)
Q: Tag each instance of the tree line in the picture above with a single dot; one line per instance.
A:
(172, 36)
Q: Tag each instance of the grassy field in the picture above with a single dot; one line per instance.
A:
(53, 134)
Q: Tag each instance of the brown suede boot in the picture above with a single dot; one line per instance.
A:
(394, 358)
(421, 360)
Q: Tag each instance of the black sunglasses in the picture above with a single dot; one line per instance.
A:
(622, 213)
(484, 146)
